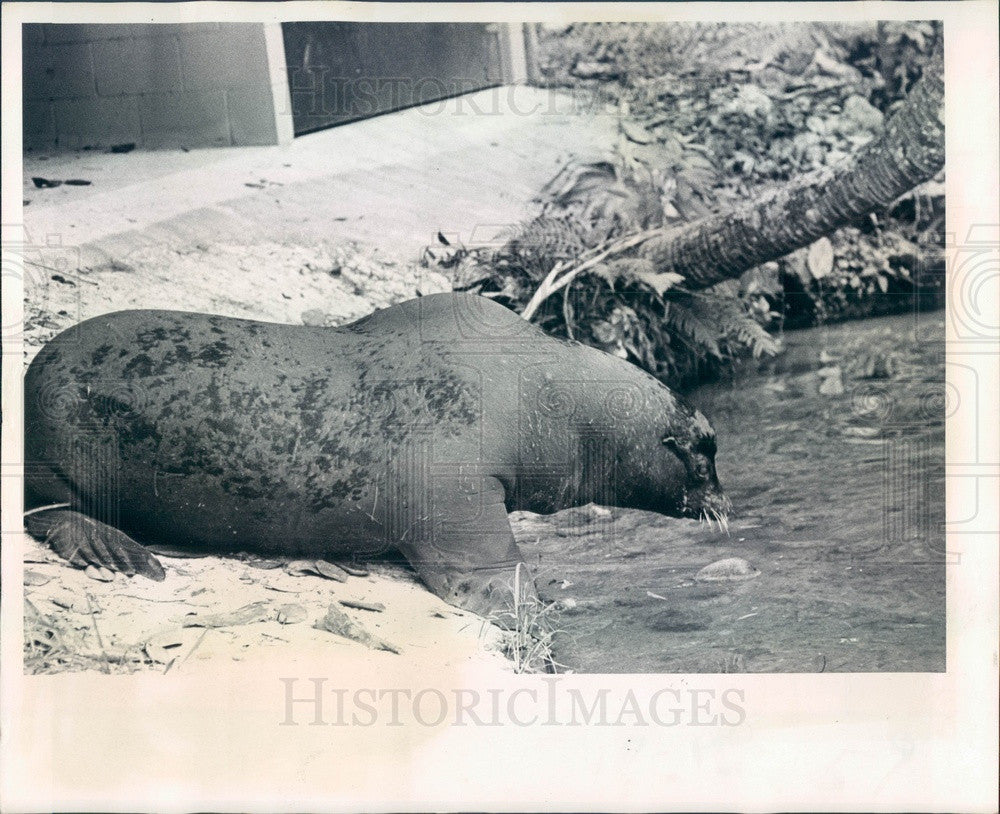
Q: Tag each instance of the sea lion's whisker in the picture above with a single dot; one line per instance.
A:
(708, 516)
(722, 520)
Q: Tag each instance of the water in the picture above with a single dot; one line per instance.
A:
(839, 503)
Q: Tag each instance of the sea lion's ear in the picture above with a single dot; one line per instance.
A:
(670, 443)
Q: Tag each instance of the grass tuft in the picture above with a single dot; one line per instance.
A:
(528, 630)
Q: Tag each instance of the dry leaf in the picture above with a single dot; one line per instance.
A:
(820, 258)
(248, 614)
(330, 571)
(375, 607)
(660, 282)
(636, 132)
(340, 624)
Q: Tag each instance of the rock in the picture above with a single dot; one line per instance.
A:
(731, 569)
(291, 614)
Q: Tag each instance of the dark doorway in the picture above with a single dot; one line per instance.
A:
(340, 72)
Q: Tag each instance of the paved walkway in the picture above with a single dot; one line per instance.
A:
(394, 181)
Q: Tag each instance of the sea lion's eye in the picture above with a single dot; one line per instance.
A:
(706, 446)
(670, 443)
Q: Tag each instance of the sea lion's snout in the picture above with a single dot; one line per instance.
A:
(708, 503)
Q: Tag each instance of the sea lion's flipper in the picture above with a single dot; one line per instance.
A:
(83, 541)
(464, 549)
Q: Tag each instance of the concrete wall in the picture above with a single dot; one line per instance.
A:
(167, 85)
(513, 52)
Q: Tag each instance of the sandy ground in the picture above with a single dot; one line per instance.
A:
(212, 608)
(321, 232)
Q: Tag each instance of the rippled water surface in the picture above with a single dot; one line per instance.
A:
(839, 504)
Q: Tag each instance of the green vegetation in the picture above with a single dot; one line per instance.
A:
(711, 116)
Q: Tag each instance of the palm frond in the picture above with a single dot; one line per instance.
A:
(688, 323)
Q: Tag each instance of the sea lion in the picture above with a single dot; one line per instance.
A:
(416, 428)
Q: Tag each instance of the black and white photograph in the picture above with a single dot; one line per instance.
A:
(517, 351)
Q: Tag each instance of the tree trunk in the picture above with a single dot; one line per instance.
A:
(909, 151)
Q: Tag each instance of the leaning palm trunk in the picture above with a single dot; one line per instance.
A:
(909, 151)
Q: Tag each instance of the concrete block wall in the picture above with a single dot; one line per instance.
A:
(157, 85)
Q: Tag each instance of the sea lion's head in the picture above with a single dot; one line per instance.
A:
(702, 496)
(677, 469)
